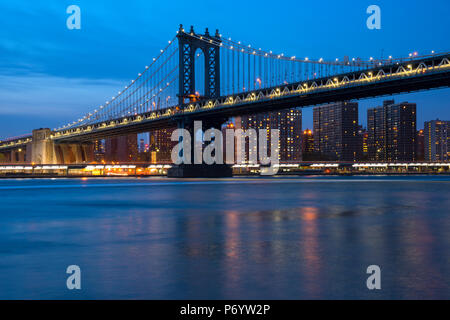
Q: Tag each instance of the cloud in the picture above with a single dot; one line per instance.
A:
(51, 96)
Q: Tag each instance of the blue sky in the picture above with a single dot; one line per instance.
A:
(50, 75)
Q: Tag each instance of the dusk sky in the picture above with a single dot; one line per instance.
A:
(50, 75)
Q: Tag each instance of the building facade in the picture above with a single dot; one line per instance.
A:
(121, 149)
(436, 140)
(288, 121)
(392, 132)
(307, 145)
(161, 145)
(336, 132)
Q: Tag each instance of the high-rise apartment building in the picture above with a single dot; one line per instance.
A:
(288, 121)
(336, 131)
(436, 140)
(161, 145)
(121, 149)
(392, 132)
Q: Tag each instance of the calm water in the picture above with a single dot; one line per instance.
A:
(275, 238)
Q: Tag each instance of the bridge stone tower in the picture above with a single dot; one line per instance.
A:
(188, 45)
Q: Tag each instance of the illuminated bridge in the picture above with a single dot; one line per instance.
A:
(210, 77)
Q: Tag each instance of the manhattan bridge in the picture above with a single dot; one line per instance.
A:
(234, 79)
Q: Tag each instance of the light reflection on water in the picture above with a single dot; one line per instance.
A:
(276, 238)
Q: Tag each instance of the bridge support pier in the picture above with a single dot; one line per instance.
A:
(74, 153)
(42, 148)
(45, 151)
(199, 170)
(5, 157)
(17, 156)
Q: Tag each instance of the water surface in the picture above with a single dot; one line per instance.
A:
(240, 238)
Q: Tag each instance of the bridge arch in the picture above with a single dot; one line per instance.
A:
(189, 43)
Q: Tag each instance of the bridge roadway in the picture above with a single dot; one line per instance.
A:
(408, 76)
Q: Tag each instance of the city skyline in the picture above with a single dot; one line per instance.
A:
(50, 74)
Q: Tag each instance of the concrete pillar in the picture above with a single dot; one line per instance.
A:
(29, 148)
(88, 152)
(77, 151)
(43, 148)
(5, 157)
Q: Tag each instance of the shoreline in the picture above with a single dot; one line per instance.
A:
(40, 176)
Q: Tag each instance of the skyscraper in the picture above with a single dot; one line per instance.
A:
(99, 150)
(160, 145)
(121, 149)
(420, 146)
(401, 132)
(336, 131)
(436, 140)
(288, 121)
(392, 132)
(307, 145)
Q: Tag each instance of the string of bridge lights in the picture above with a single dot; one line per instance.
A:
(109, 102)
(239, 47)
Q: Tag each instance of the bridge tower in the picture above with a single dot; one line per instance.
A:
(188, 45)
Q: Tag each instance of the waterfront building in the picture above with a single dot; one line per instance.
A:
(436, 140)
(288, 121)
(336, 131)
(121, 149)
(161, 145)
(99, 151)
(420, 145)
(392, 132)
(307, 145)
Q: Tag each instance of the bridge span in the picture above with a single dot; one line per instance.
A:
(238, 80)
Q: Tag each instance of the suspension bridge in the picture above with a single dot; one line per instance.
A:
(210, 77)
